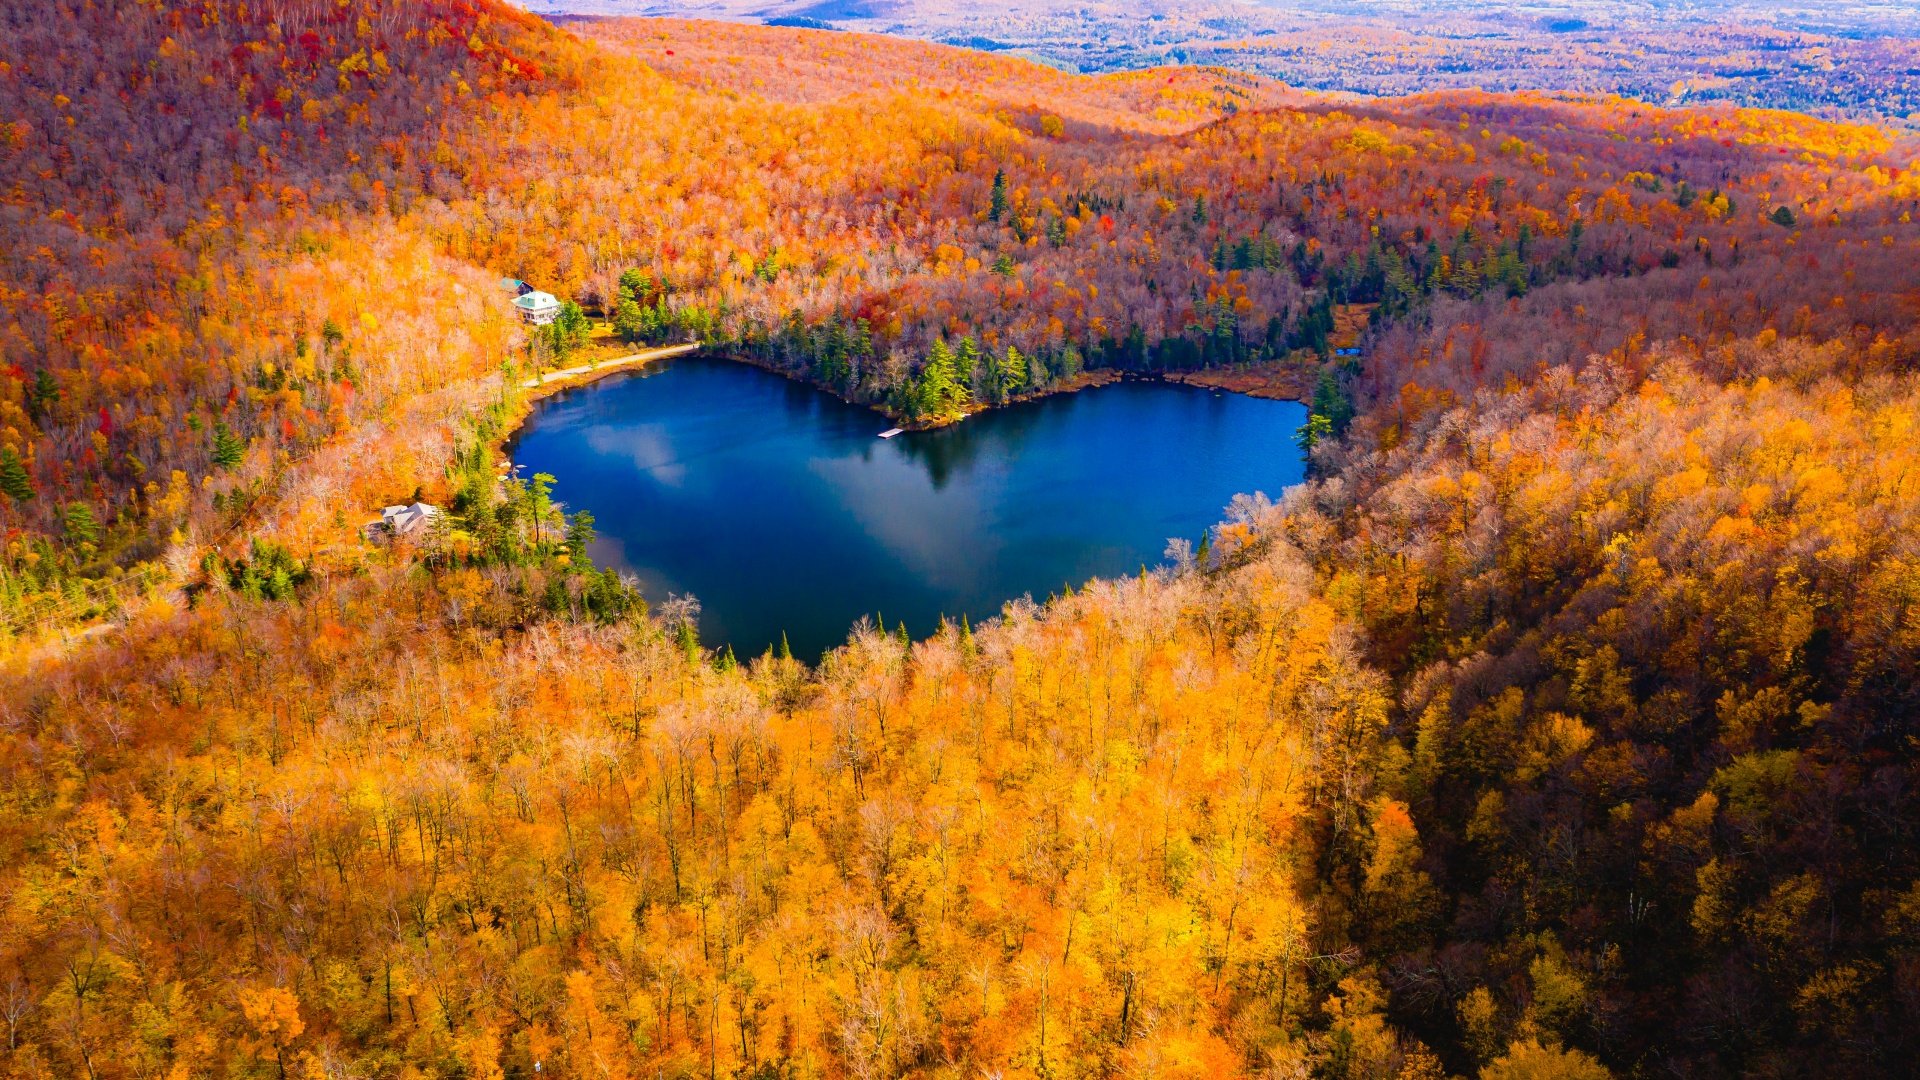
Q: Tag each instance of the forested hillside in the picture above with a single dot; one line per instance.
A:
(1561, 726)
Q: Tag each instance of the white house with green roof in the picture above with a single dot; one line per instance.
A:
(536, 308)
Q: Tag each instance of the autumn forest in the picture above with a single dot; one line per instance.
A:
(1562, 724)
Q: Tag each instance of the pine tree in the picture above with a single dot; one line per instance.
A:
(78, 522)
(997, 208)
(1332, 402)
(569, 329)
(580, 532)
(1316, 430)
(627, 318)
(829, 361)
(41, 396)
(229, 450)
(966, 362)
(540, 504)
(14, 480)
(941, 394)
(837, 344)
(860, 346)
(1013, 374)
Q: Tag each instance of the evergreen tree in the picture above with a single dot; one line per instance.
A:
(860, 345)
(540, 504)
(628, 320)
(569, 329)
(580, 532)
(1068, 362)
(77, 521)
(997, 207)
(967, 364)
(767, 269)
(14, 480)
(1316, 430)
(837, 344)
(1332, 412)
(832, 369)
(941, 393)
(1332, 402)
(1014, 376)
(791, 338)
(229, 450)
(42, 395)
(936, 379)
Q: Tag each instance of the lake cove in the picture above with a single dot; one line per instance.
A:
(779, 507)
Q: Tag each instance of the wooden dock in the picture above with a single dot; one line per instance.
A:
(891, 432)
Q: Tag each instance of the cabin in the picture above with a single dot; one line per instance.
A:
(536, 308)
(397, 522)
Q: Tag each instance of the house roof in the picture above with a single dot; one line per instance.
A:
(536, 301)
(405, 519)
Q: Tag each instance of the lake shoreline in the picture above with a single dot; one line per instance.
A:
(1272, 382)
(553, 382)
(783, 512)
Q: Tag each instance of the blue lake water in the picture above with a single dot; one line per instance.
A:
(778, 507)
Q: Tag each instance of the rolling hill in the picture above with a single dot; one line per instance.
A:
(1561, 725)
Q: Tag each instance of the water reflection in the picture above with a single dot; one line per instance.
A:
(947, 450)
(776, 505)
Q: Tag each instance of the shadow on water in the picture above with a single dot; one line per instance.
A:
(777, 506)
(956, 447)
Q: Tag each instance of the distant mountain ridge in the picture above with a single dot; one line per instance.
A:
(1855, 60)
